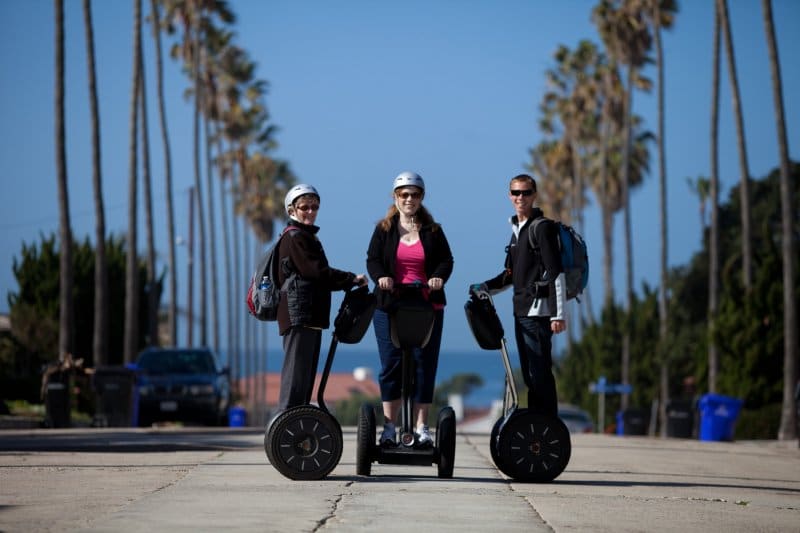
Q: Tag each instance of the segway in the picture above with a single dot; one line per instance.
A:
(411, 322)
(305, 442)
(526, 446)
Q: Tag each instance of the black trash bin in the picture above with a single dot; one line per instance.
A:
(57, 408)
(116, 395)
(680, 419)
(633, 421)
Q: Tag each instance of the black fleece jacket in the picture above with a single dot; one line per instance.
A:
(303, 252)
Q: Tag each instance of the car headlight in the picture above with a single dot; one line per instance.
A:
(199, 390)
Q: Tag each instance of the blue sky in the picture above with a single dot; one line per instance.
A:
(363, 90)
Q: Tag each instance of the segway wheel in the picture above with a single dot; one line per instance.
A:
(304, 443)
(446, 442)
(365, 446)
(533, 448)
(493, 441)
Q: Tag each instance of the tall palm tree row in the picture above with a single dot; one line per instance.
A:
(100, 334)
(788, 425)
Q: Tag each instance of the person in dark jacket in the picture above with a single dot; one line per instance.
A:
(540, 293)
(408, 246)
(306, 282)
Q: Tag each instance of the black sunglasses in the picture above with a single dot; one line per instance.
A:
(523, 192)
(407, 195)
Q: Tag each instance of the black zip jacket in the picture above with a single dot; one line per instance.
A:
(524, 266)
(382, 255)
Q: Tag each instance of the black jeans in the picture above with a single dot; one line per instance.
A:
(534, 345)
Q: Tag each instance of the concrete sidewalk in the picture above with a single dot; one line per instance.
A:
(185, 480)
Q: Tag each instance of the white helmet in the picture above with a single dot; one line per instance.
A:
(296, 192)
(408, 179)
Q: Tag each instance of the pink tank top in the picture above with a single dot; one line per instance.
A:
(410, 265)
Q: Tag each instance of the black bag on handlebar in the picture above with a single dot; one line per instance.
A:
(355, 315)
(484, 323)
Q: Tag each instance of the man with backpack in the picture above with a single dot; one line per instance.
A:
(533, 266)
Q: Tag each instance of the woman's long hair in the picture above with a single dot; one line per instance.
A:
(424, 218)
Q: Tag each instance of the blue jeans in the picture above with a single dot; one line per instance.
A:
(426, 359)
(534, 345)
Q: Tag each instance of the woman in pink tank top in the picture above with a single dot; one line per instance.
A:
(408, 246)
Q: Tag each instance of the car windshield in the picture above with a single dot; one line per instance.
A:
(177, 362)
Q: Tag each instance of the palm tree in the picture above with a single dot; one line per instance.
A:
(744, 172)
(788, 427)
(662, 15)
(131, 331)
(65, 319)
(101, 309)
(713, 237)
(628, 40)
(152, 291)
(172, 312)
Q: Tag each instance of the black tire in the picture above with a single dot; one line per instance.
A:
(365, 450)
(493, 441)
(446, 442)
(534, 448)
(304, 443)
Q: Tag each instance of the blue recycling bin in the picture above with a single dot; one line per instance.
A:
(718, 416)
(237, 417)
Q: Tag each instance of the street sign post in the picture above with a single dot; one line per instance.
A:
(602, 387)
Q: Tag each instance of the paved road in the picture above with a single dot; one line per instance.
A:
(120, 480)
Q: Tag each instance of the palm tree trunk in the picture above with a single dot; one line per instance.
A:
(236, 363)
(226, 250)
(744, 186)
(65, 317)
(202, 286)
(713, 244)
(212, 242)
(788, 426)
(626, 157)
(131, 332)
(662, 182)
(172, 313)
(100, 332)
(190, 273)
(152, 291)
(607, 210)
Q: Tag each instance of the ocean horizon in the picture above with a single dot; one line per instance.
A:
(486, 363)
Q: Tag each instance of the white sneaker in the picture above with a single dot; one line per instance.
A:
(424, 438)
(388, 435)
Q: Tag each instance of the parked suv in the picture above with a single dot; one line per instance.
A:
(182, 384)
(576, 419)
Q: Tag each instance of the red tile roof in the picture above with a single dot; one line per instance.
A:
(340, 386)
